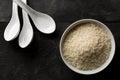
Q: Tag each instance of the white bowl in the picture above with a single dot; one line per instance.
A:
(103, 66)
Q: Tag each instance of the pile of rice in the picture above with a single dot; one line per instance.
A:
(87, 46)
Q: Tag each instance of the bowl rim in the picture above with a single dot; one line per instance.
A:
(107, 62)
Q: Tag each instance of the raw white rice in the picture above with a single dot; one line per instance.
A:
(87, 46)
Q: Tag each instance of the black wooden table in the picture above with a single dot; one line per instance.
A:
(41, 59)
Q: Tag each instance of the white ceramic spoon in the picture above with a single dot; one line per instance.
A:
(13, 27)
(26, 34)
(43, 22)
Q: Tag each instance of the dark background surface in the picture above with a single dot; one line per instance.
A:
(41, 59)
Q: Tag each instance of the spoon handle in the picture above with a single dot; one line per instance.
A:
(25, 16)
(14, 9)
(24, 6)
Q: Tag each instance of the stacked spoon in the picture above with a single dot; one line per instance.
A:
(43, 22)
(26, 34)
(13, 27)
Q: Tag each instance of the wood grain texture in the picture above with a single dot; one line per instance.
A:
(5, 10)
(69, 10)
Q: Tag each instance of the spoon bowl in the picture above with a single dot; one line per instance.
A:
(43, 22)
